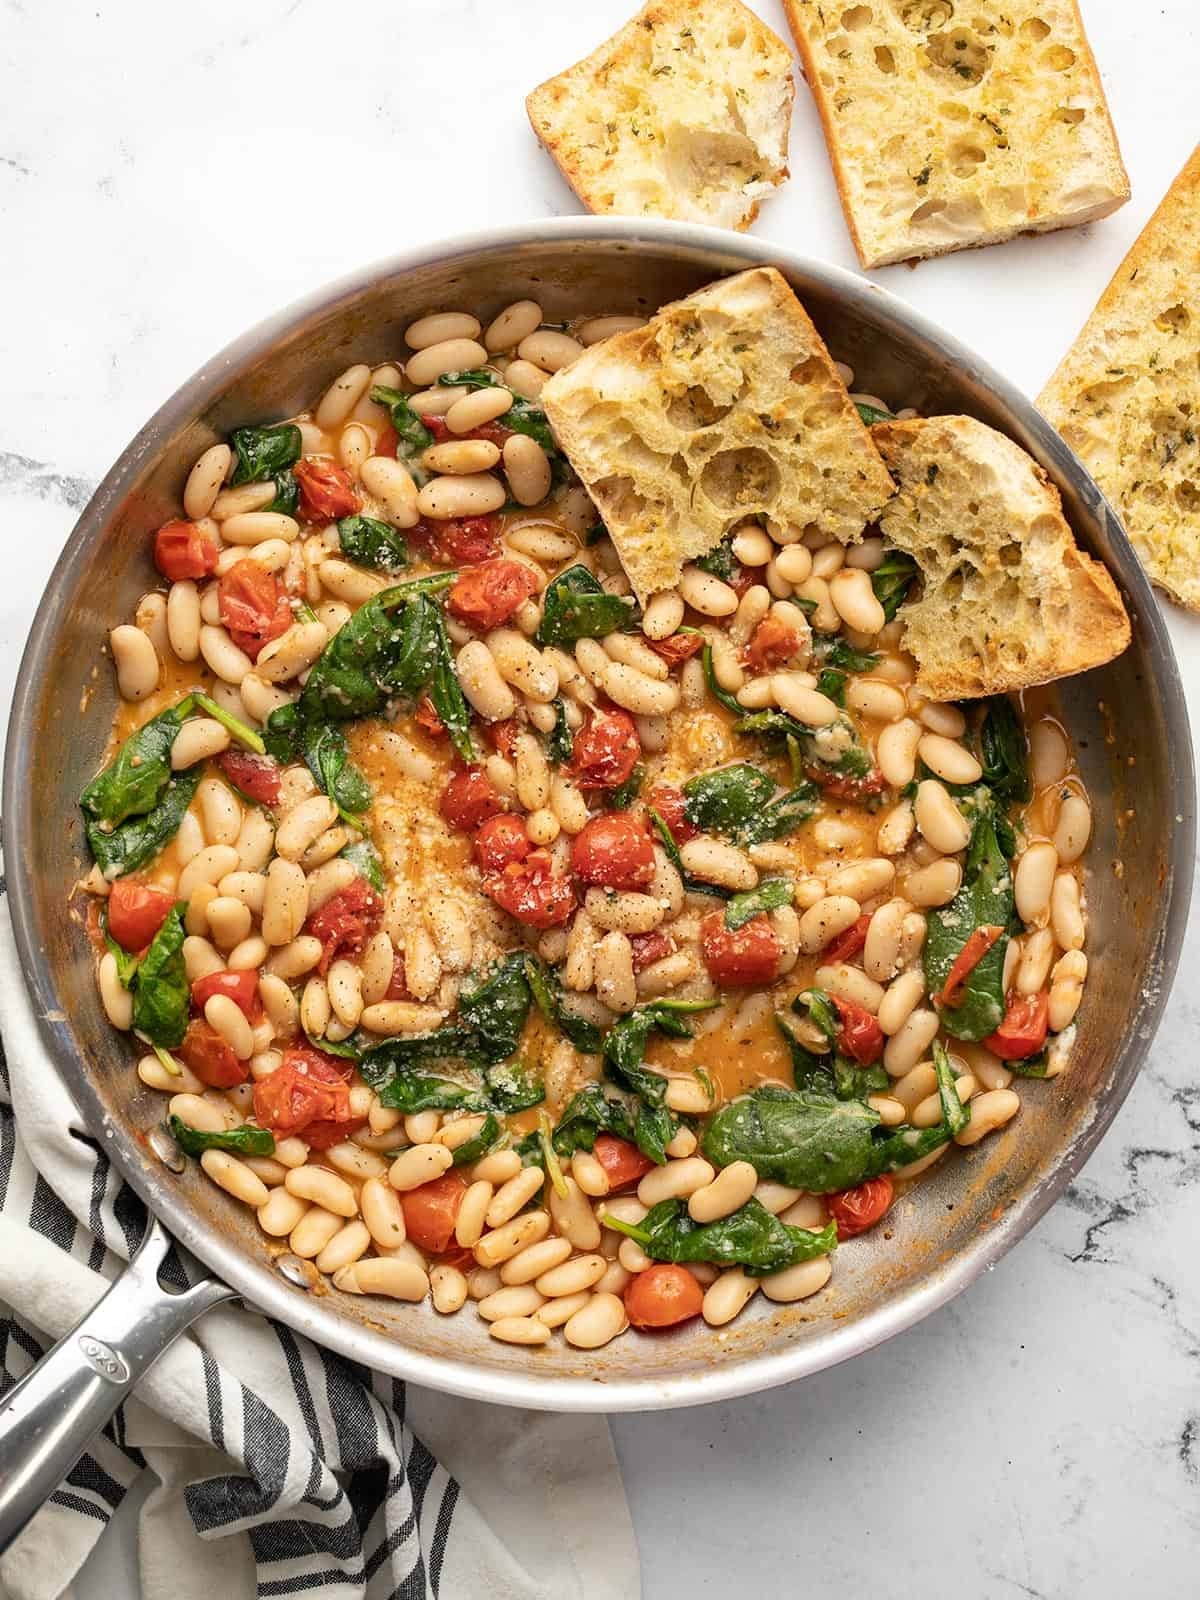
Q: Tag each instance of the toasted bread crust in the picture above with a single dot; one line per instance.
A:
(1009, 599)
(684, 112)
(1124, 395)
(1030, 145)
(725, 405)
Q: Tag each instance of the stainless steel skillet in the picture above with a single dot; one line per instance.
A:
(1129, 721)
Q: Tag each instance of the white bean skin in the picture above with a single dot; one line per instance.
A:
(823, 922)
(1066, 915)
(727, 1296)
(706, 593)
(341, 397)
(855, 601)
(514, 323)
(391, 484)
(903, 996)
(727, 1193)
(438, 326)
(527, 468)
(1074, 828)
(183, 619)
(1066, 988)
(663, 614)
(676, 1181)
(205, 480)
(136, 661)
(235, 1178)
(939, 820)
(1033, 883)
(548, 349)
(947, 759)
(934, 885)
(989, 1111)
(600, 1321)
(383, 1275)
(799, 1282)
(896, 751)
(447, 355)
(910, 1042)
(719, 863)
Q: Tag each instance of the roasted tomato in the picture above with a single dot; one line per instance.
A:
(849, 944)
(182, 550)
(667, 800)
(979, 941)
(502, 736)
(240, 987)
(397, 988)
(327, 1131)
(776, 640)
(856, 790)
(613, 851)
(210, 1058)
(256, 776)
(623, 1163)
(345, 922)
(469, 799)
(431, 1211)
(425, 716)
(856, 1210)
(747, 955)
(326, 491)
(501, 840)
(136, 911)
(1024, 1029)
(662, 1296)
(531, 891)
(650, 947)
(605, 750)
(677, 647)
(487, 595)
(459, 542)
(386, 440)
(860, 1037)
(307, 1087)
(252, 606)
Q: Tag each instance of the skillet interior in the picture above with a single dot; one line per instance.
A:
(1128, 721)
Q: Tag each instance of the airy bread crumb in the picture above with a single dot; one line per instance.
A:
(725, 405)
(1009, 599)
(1125, 397)
(683, 113)
(949, 127)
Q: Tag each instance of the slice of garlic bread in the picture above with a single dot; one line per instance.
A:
(1125, 395)
(683, 113)
(955, 126)
(725, 405)
(1008, 598)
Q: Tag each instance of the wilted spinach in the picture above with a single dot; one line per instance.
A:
(872, 414)
(560, 741)
(514, 1086)
(750, 1237)
(623, 796)
(496, 1010)
(139, 839)
(721, 561)
(985, 900)
(476, 1147)
(365, 859)
(724, 800)
(770, 894)
(892, 580)
(244, 1141)
(547, 993)
(577, 606)
(782, 816)
(327, 756)
(588, 1113)
(654, 1124)
(135, 781)
(371, 543)
(722, 696)
(160, 987)
(412, 436)
(262, 453)
(1002, 750)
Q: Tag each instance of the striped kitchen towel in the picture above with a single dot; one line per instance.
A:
(278, 1467)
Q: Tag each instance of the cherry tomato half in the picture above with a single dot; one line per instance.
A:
(856, 1210)
(667, 800)
(469, 799)
(856, 790)
(460, 542)
(210, 1058)
(650, 947)
(1024, 1029)
(425, 716)
(305, 1088)
(326, 491)
(252, 606)
(605, 750)
(677, 647)
(776, 640)
(531, 891)
(136, 911)
(256, 776)
(847, 945)
(431, 1211)
(487, 595)
(345, 922)
(182, 550)
(501, 840)
(747, 955)
(623, 1163)
(662, 1295)
(860, 1037)
(386, 440)
(614, 851)
(240, 987)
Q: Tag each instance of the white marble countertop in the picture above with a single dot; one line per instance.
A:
(1039, 1437)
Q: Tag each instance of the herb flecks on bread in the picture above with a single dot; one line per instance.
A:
(1126, 397)
(951, 126)
(683, 113)
(725, 405)
(1008, 598)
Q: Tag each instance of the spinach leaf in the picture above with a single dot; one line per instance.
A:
(623, 796)
(244, 1141)
(496, 1011)
(474, 1149)
(514, 1086)
(588, 1113)
(406, 1053)
(371, 543)
(1037, 1066)
(854, 1082)
(725, 800)
(135, 781)
(836, 659)
(241, 731)
(833, 752)
(560, 742)
(985, 899)
(263, 452)
(577, 606)
(721, 696)
(419, 1091)
(445, 691)
(820, 1008)
(547, 992)
(346, 1049)
(721, 561)
(782, 816)
(871, 414)
(750, 1237)
(365, 859)
(769, 896)
(327, 756)
(797, 1137)
(413, 436)
(892, 581)
(160, 986)
(139, 839)
(287, 495)
(1002, 748)
(654, 1125)
(811, 1069)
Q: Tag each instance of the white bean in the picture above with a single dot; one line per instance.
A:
(136, 661)
(1033, 882)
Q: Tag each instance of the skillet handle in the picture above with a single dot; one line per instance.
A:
(49, 1418)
